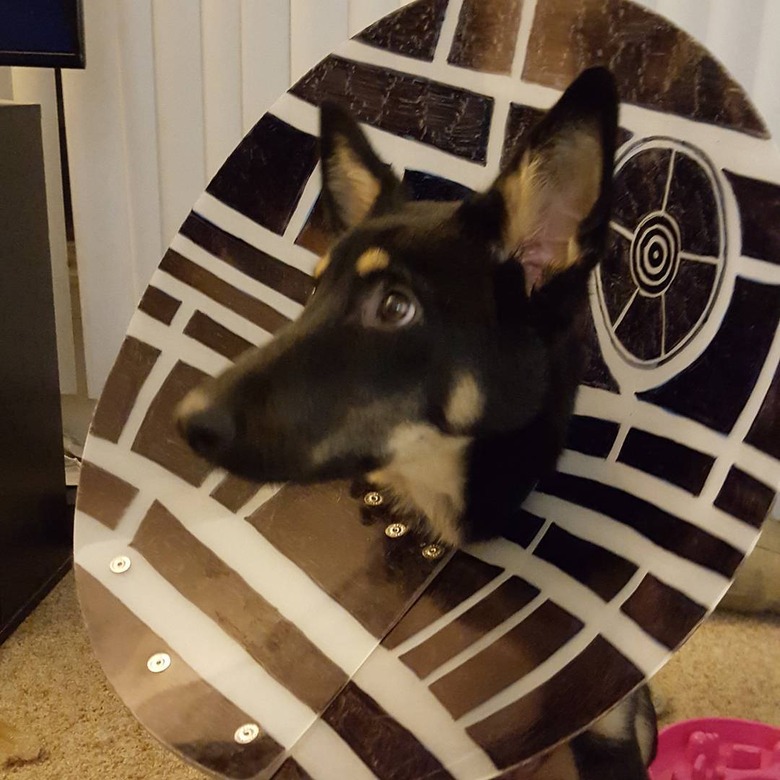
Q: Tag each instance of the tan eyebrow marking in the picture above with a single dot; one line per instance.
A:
(374, 259)
(322, 264)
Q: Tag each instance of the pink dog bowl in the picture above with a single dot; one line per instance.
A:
(717, 749)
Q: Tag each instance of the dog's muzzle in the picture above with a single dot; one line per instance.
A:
(210, 429)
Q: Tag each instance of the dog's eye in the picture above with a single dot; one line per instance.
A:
(389, 306)
(397, 309)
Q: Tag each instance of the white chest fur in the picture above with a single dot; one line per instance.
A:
(426, 475)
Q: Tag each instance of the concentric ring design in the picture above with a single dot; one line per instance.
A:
(655, 254)
(667, 254)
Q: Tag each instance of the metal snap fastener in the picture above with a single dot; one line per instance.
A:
(432, 552)
(396, 530)
(373, 498)
(247, 733)
(159, 662)
(120, 564)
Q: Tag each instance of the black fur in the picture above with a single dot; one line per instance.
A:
(304, 390)
(601, 758)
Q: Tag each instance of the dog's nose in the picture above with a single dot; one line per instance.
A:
(208, 428)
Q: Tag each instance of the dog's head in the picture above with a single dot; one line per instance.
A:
(426, 316)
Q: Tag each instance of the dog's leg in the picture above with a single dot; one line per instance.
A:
(622, 744)
(619, 746)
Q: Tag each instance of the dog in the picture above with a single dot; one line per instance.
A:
(440, 353)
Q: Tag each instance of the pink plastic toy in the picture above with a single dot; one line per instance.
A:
(717, 749)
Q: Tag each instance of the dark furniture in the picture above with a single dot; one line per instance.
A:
(35, 537)
(42, 33)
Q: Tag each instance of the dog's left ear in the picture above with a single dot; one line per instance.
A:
(355, 182)
(555, 193)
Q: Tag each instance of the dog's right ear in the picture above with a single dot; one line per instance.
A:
(355, 182)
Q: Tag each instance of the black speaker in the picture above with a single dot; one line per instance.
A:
(35, 536)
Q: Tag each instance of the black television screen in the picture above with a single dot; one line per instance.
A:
(41, 33)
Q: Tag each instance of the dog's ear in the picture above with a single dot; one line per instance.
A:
(355, 182)
(554, 196)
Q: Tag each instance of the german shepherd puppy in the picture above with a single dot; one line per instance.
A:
(442, 348)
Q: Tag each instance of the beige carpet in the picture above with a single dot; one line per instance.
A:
(52, 688)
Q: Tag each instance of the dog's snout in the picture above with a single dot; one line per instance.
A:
(209, 428)
(210, 432)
